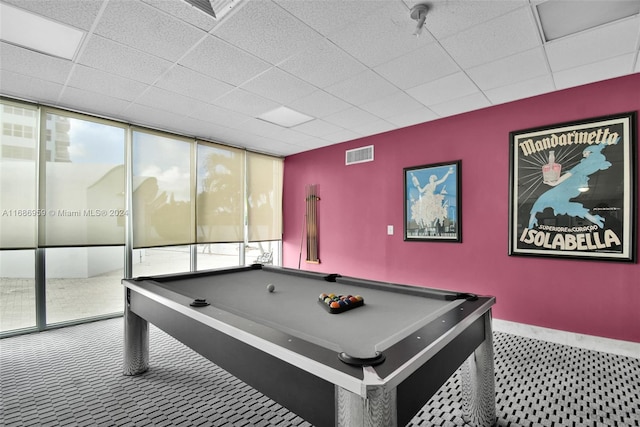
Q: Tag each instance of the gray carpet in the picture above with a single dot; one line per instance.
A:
(72, 377)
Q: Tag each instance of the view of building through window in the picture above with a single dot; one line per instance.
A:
(65, 215)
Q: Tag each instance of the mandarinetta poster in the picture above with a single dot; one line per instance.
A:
(573, 189)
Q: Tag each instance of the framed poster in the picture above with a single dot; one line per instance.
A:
(573, 188)
(432, 203)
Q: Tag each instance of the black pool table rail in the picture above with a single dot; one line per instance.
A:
(442, 294)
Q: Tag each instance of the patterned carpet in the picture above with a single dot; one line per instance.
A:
(72, 377)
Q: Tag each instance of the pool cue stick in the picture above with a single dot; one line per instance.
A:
(315, 231)
(301, 239)
(311, 254)
(312, 196)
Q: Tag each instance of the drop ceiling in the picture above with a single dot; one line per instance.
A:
(354, 67)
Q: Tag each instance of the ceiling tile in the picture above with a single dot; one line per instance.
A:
(246, 103)
(604, 42)
(342, 135)
(503, 36)
(111, 85)
(512, 69)
(311, 144)
(351, 118)
(263, 128)
(77, 13)
(322, 64)
(521, 90)
(165, 36)
(220, 60)
(215, 132)
(460, 105)
(279, 86)
(26, 87)
(275, 147)
(383, 35)
(319, 104)
(610, 68)
(280, 34)
(318, 128)
(220, 116)
(206, 129)
(115, 58)
(391, 106)
(327, 16)
(170, 101)
(85, 100)
(190, 83)
(374, 128)
(154, 118)
(31, 63)
(238, 138)
(362, 88)
(420, 66)
(447, 88)
(291, 136)
(445, 18)
(420, 115)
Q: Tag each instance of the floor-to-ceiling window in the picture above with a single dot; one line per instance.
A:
(82, 193)
(264, 207)
(220, 206)
(85, 202)
(18, 215)
(163, 205)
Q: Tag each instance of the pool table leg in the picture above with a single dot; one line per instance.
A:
(377, 410)
(136, 341)
(478, 382)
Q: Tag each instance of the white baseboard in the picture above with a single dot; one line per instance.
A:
(589, 342)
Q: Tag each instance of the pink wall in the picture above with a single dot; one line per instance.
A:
(358, 202)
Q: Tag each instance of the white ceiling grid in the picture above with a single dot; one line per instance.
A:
(353, 65)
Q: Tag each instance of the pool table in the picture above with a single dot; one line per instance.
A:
(374, 364)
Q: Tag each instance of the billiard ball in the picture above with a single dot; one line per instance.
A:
(270, 287)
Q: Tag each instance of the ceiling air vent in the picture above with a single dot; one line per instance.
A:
(215, 8)
(359, 155)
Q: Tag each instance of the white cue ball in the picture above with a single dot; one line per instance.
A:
(270, 287)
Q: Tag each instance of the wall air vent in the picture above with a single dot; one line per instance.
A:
(359, 155)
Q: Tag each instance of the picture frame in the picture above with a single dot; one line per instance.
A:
(572, 189)
(432, 202)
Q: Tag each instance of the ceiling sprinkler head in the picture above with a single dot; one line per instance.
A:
(419, 13)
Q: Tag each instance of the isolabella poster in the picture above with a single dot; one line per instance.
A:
(572, 189)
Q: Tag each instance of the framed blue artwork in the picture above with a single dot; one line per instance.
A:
(432, 202)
